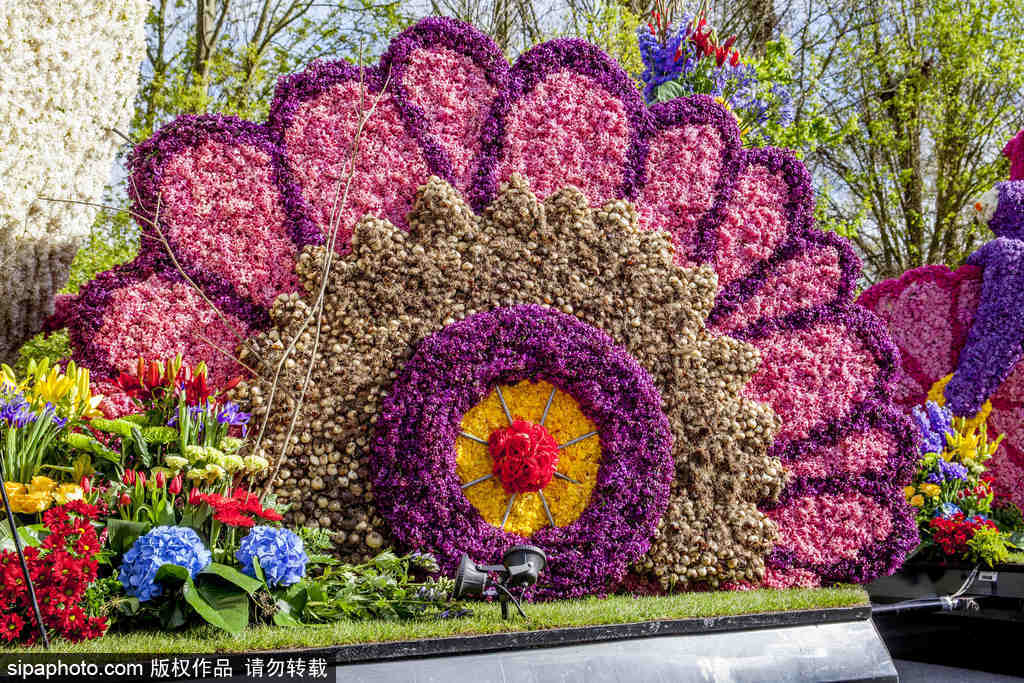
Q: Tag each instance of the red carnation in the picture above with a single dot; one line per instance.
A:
(525, 456)
(10, 627)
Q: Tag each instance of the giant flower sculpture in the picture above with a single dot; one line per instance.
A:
(439, 321)
(961, 332)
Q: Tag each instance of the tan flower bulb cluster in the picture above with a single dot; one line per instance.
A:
(394, 288)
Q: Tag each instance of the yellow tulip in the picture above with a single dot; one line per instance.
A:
(13, 488)
(909, 491)
(41, 484)
(917, 501)
(931, 489)
(29, 503)
(66, 493)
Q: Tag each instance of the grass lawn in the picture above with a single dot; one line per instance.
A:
(486, 618)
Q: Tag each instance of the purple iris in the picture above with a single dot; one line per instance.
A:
(934, 422)
(231, 414)
(16, 412)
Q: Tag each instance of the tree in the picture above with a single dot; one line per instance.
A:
(936, 88)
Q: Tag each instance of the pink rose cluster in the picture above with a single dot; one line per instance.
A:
(237, 201)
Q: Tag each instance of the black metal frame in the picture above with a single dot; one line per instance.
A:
(21, 558)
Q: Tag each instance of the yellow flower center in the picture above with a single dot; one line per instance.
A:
(580, 461)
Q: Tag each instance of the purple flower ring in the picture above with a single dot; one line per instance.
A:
(413, 460)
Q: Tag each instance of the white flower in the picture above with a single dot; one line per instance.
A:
(69, 72)
(984, 208)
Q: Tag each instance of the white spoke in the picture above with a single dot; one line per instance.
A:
(504, 406)
(568, 479)
(544, 417)
(577, 439)
(547, 510)
(480, 480)
(508, 510)
(472, 438)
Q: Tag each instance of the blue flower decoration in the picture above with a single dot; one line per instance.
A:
(934, 422)
(947, 510)
(162, 545)
(280, 552)
(952, 470)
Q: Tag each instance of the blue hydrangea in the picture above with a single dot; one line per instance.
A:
(947, 510)
(162, 545)
(280, 552)
(934, 422)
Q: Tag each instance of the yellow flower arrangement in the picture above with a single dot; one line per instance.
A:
(34, 497)
(917, 501)
(69, 392)
(931, 489)
(66, 493)
(565, 422)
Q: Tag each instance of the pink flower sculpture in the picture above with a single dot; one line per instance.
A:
(238, 200)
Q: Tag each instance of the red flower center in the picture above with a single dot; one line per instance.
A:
(525, 456)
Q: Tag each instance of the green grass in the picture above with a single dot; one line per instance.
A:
(486, 619)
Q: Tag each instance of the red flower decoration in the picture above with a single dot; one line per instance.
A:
(525, 456)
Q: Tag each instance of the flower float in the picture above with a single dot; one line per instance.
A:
(960, 332)
(475, 370)
(241, 204)
(69, 82)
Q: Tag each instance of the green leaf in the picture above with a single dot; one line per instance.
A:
(128, 606)
(1016, 540)
(121, 533)
(121, 428)
(172, 571)
(140, 445)
(163, 514)
(282, 617)
(221, 604)
(232, 575)
(258, 571)
(171, 615)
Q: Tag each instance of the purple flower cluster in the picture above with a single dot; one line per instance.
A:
(413, 461)
(996, 338)
(15, 412)
(935, 423)
(947, 471)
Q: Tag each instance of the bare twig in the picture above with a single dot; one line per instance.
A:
(316, 311)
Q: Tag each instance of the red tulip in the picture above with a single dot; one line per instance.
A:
(125, 499)
(86, 484)
(195, 498)
(129, 477)
(735, 61)
(160, 479)
(174, 487)
(142, 478)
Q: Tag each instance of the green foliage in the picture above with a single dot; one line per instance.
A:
(812, 130)
(936, 89)
(383, 588)
(612, 27)
(988, 546)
